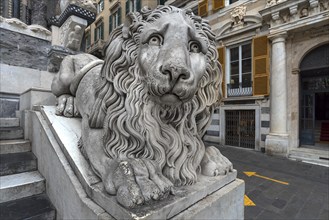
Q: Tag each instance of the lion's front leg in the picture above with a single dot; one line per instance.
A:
(138, 181)
(214, 163)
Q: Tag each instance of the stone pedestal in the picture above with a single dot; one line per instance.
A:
(210, 198)
(277, 141)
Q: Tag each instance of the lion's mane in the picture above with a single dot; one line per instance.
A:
(137, 127)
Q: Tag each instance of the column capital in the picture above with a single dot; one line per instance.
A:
(278, 37)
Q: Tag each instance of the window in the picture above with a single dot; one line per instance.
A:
(115, 19)
(239, 70)
(88, 40)
(16, 9)
(100, 6)
(99, 31)
(133, 6)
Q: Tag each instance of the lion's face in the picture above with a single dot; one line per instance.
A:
(172, 56)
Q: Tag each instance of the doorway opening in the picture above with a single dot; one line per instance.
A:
(314, 103)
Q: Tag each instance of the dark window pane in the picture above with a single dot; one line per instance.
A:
(234, 54)
(234, 68)
(246, 66)
(234, 81)
(246, 80)
(246, 51)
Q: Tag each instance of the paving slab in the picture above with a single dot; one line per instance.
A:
(306, 196)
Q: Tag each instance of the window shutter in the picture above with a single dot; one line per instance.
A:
(221, 59)
(218, 4)
(127, 6)
(203, 8)
(260, 61)
(110, 23)
(95, 34)
(138, 5)
(119, 16)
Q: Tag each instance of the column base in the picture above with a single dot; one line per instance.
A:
(277, 144)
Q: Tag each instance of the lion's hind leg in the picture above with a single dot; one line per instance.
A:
(214, 163)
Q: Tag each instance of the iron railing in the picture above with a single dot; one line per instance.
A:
(240, 91)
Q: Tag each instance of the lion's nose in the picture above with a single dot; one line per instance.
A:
(175, 73)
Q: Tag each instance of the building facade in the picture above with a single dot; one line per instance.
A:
(274, 55)
(111, 14)
(275, 58)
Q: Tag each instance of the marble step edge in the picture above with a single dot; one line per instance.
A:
(14, 146)
(17, 186)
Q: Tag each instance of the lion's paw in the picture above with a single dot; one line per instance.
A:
(66, 106)
(214, 163)
(128, 192)
(139, 181)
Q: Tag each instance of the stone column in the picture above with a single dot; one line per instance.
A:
(39, 12)
(277, 141)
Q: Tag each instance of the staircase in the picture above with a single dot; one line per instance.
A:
(22, 187)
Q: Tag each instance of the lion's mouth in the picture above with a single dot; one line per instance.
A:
(170, 99)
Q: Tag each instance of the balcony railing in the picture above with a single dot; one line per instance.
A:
(240, 91)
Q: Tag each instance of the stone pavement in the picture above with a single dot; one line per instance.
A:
(306, 196)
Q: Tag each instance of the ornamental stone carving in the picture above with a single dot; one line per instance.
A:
(238, 14)
(146, 107)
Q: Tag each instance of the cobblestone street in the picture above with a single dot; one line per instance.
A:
(305, 196)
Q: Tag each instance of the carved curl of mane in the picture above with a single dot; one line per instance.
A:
(136, 127)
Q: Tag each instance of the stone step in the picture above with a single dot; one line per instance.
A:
(9, 122)
(33, 207)
(17, 163)
(11, 133)
(313, 156)
(14, 146)
(17, 186)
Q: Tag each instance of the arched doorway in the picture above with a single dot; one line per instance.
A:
(314, 103)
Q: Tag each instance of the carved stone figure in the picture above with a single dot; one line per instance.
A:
(74, 38)
(237, 15)
(145, 109)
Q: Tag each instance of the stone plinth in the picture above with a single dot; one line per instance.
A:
(211, 197)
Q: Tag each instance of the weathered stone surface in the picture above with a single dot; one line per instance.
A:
(11, 133)
(14, 146)
(8, 107)
(147, 106)
(34, 207)
(219, 204)
(62, 182)
(17, 163)
(67, 132)
(22, 50)
(20, 185)
(9, 122)
(39, 12)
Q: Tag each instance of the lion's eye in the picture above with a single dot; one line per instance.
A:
(194, 47)
(155, 40)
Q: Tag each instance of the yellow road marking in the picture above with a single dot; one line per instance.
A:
(248, 201)
(249, 174)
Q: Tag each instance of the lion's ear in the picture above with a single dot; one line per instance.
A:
(131, 18)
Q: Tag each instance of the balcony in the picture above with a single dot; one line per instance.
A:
(238, 91)
(97, 48)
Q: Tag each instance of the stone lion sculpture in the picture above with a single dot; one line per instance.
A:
(146, 107)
